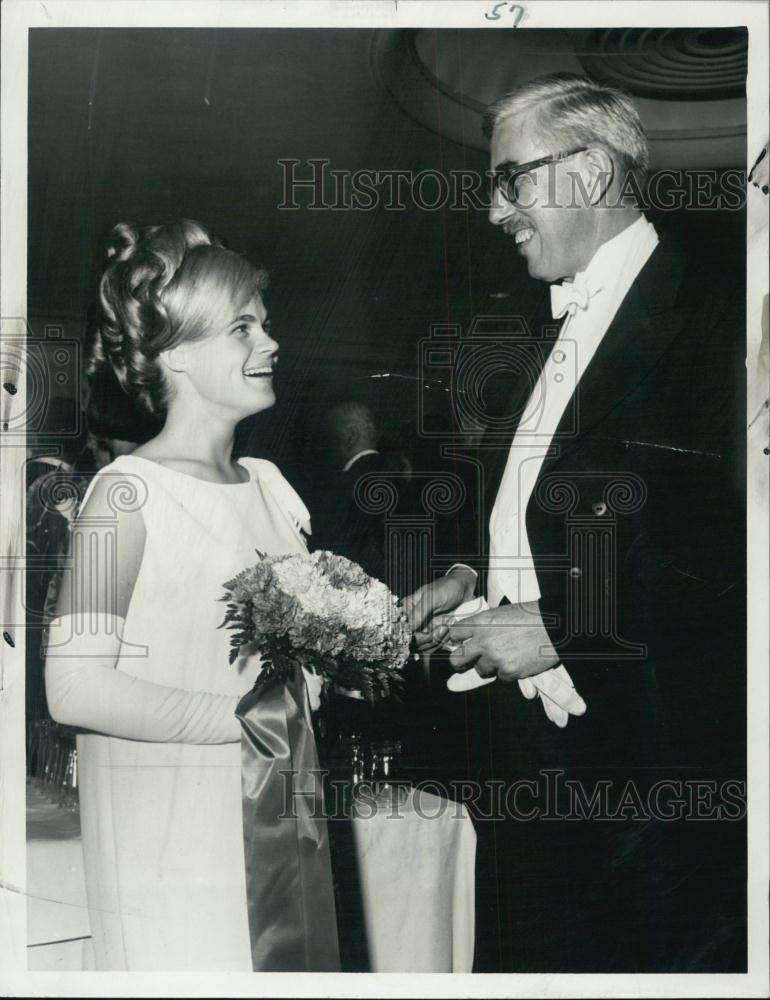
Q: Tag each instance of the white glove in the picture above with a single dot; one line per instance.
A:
(86, 688)
(555, 688)
(557, 693)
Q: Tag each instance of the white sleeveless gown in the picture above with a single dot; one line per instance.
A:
(161, 822)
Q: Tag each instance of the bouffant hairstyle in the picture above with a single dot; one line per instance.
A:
(162, 286)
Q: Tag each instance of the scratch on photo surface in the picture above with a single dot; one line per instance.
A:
(47, 944)
(760, 412)
(64, 902)
(672, 447)
(34, 895)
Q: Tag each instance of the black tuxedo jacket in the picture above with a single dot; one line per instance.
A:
(637, 520)
(637, 529)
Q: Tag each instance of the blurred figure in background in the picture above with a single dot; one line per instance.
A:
(352, 448)
(364, 464)
(51, 500)
(57, 444)
(354, 436)
(61, 461)
(359, 739)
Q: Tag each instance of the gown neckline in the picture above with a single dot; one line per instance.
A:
(186, 475)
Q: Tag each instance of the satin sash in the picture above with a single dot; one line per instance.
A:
(289, 891)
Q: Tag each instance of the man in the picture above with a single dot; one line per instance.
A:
(354, 434)
(616, 553)
(341, 522)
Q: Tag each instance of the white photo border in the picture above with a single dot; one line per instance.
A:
(18, 16)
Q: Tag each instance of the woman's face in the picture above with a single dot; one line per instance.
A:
(233, 368)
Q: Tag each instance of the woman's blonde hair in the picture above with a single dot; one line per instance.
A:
(164, 285)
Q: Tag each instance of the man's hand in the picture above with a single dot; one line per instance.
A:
(439, 597)
(509, 641)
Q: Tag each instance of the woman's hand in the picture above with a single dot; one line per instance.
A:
(436, 598)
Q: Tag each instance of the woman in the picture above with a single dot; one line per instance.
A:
(136, 656)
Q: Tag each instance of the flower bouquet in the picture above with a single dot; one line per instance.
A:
(324, 613)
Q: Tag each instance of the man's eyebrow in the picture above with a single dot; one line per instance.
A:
(507, 165)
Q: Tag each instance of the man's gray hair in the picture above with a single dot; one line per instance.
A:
(565, 110)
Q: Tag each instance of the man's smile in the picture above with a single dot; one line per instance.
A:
(521, 232)
(523, 235)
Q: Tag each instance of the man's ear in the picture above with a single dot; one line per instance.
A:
(601, 171)
(175, 358)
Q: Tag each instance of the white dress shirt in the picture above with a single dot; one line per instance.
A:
(591, 301)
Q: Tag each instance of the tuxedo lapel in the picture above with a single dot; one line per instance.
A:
(643, 328)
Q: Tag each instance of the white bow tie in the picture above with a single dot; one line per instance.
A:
(570, 296)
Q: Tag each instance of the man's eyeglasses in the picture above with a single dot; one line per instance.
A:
(508, 180)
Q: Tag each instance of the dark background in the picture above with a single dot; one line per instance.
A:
(146, 124)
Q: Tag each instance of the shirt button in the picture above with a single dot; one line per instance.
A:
(575, 572)
(559, 357)
(600, 509)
